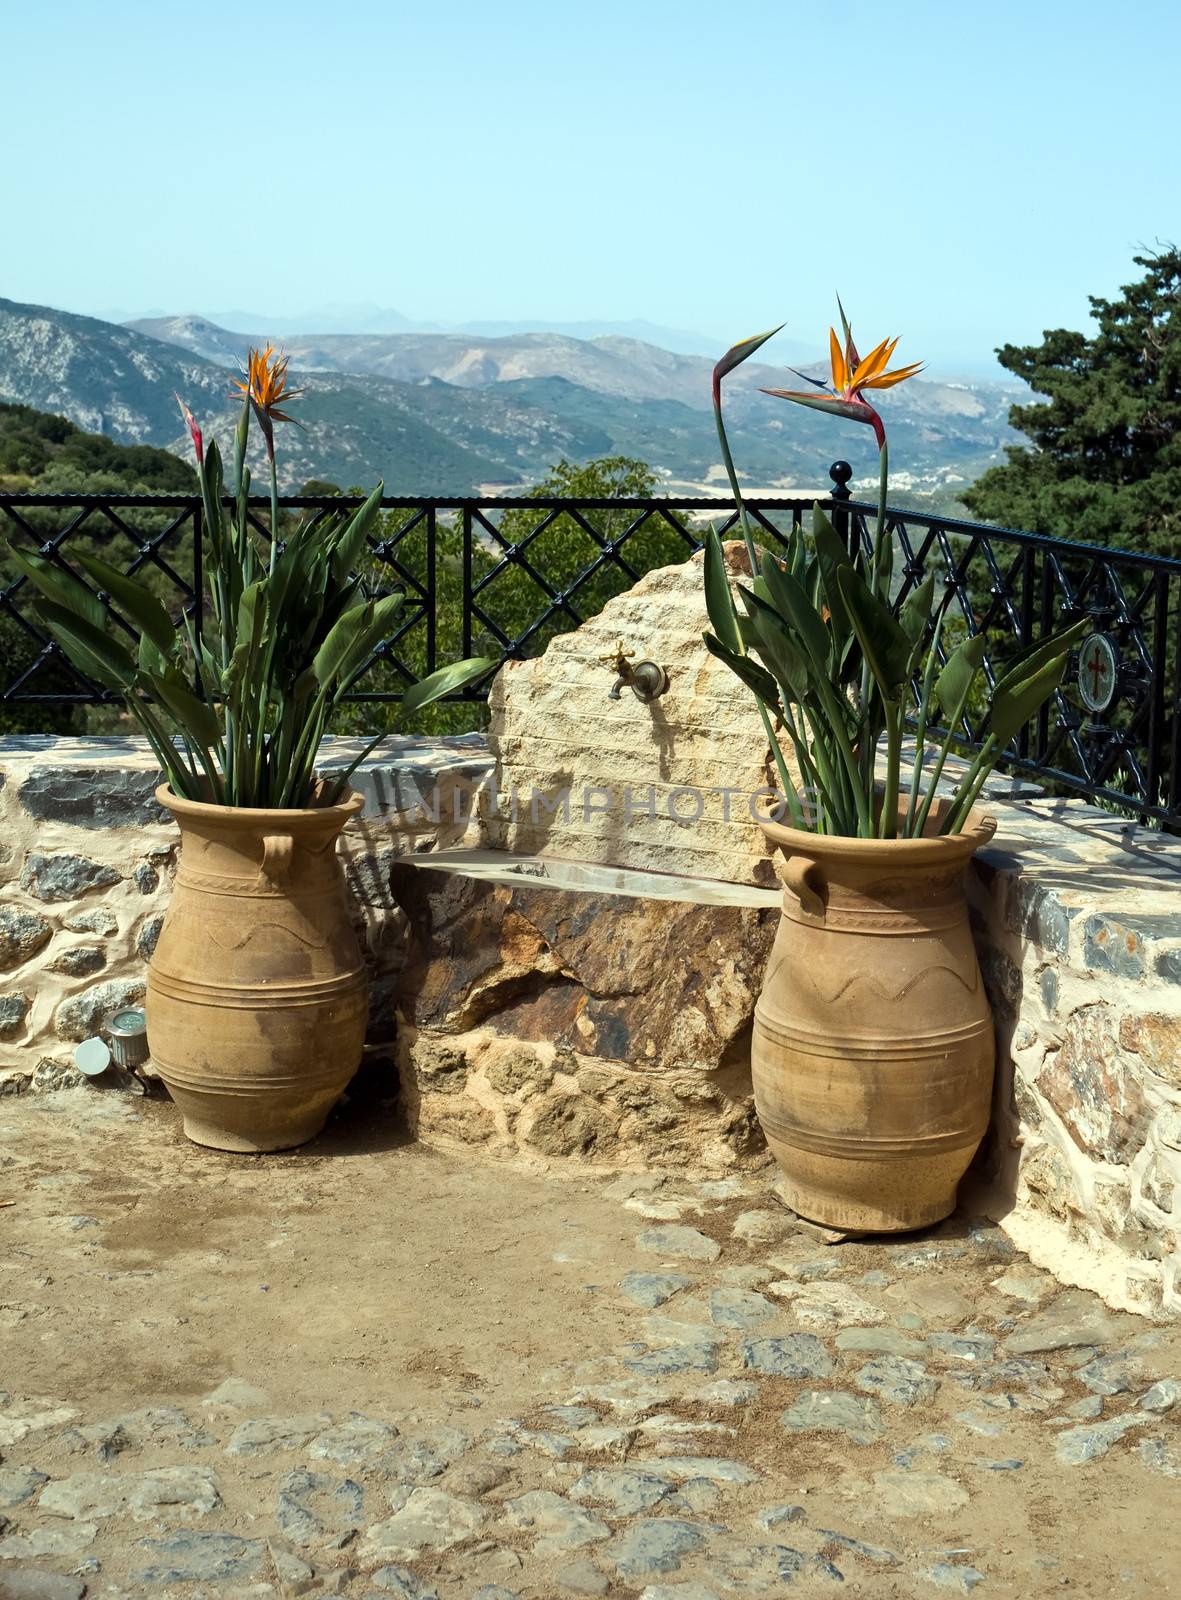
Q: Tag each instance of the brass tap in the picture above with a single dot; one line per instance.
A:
(646, 680)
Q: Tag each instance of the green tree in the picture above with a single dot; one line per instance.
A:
(512, 599)
(563, 552)
(1104, 460)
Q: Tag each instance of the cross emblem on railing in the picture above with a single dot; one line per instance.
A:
(1098, 671)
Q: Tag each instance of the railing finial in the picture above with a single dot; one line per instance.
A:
(840, 472)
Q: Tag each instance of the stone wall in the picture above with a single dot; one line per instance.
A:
(1078, 924)
(666, 785)
(87, 859)
(546, 1024)
(542, 1023)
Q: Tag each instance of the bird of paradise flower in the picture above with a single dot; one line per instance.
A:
(852, 375)
(263, 387)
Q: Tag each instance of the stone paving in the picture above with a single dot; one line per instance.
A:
(915, 1416)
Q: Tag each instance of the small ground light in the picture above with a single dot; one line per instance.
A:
(92, 1057)
(128, 1033)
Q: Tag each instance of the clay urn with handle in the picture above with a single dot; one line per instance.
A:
(873, 1046)
(257, 992)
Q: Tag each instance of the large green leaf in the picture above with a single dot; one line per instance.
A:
(90, 649)
(335, 605)
(831, 556)
(1014, 703)
(148, 658)
(766, 632)
(915, 614)
(886, 648)
(796, 555)
(334, 653)
(61, 587)
(719, 603)
(755, 677)
(137, 600)
(351, 640)
(791, 601)
(386, 612)
(248, 632)
(198, 720)
(346, 550)
(294, 572)
(445, 681)
(954, 683)
(1034, 656)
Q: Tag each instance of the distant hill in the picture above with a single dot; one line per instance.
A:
(629, 368)
(119, 382)
(47, 454)
(449, 414)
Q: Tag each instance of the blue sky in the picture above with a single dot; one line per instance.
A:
(964, 175)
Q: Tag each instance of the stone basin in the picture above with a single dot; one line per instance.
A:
(555, 872)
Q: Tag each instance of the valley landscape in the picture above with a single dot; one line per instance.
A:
(463, 413)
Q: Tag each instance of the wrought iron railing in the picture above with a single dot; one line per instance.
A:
(500, 576)
(1113, 731)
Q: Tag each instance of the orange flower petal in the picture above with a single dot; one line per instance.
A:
(840, 372)
(874, 362)
(887, 380)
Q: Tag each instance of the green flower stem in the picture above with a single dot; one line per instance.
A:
(830, 790)
(789, 788)
(752, 557)
(920, 737)
(834, 717)
(880, 532)
(969, 790)
(806, 765)
(933, 784)
(274, 514)
(296, 782)
(888, 822)
(743, 517)
(165, 751)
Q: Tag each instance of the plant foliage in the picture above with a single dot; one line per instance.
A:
(834, 664)
(235, 711)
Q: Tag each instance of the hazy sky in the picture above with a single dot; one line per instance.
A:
(963, 174)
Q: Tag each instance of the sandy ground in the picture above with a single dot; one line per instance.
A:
(432, 1289)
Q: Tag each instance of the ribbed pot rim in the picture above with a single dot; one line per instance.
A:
(928, 851)
(272, 819)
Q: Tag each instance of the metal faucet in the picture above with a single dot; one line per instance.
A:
(645, 679)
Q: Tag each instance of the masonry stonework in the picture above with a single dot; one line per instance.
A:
(1078, 922)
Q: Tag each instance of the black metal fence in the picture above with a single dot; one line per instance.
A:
(500, 576)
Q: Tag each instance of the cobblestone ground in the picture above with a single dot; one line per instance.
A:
(373, 1371)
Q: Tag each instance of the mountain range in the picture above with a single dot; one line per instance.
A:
(456, 413)
(366, 317)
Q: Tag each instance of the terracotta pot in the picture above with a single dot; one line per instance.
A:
(873, 1045)
(257, 994)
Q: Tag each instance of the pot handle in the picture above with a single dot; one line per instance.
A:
(277, 851)
(798, 874)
